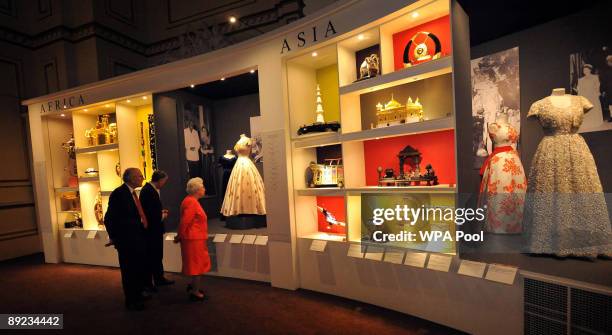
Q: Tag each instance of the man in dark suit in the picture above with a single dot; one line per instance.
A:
(156, 214)
(126, 225)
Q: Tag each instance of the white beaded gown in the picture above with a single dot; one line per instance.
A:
(565, 209)
(245, 188)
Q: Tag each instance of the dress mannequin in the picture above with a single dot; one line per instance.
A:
(244, 202)
(565, 209)
(503, 184)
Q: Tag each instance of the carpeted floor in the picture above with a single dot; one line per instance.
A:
(91, 301)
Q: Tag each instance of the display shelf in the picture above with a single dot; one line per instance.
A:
(68, 212)
(66, 189)
(88, 179)
(97, 148)
(442, 188)
(316, 140)
(353, 51)
(419, 72)
(400, 130)
(325, 237)
(321, 191)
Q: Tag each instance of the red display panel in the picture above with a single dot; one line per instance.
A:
(439, 27)
(334, 205)
(437, 149)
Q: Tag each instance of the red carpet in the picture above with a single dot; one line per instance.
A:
(91, 301)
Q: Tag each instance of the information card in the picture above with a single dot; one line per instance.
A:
(472, 269)
(249, 239)
(318, 245)
(355, 251)
(219, 238)
(375, 253)
(416, 259)
(395, 257)
(92, 234)
(170, 236)
(68, 234)
(439, 262)
(501, 274)
(261, 240)
(236, 238)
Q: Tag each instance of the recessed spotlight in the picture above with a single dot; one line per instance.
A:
(415, 15)
(144, 98)
(378, 138)
(128, 100)
(107, 105)
(315, 54)
(360, 37)
(62, 115)
(252, 71)
(65, 106)
(192, 85)
(222, 78)
(85, 110)
(232, 19)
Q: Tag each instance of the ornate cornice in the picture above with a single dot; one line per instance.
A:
(285, 11)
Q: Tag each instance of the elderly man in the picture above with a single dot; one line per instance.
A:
(126, 225)
(156, 214)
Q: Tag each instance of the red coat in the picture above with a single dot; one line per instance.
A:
(194, 223)
(193, 233)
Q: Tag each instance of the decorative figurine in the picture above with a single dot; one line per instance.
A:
(98, 209)
(91, 172)
(103, 133)
(417, 51)
(394, 113)
(411, 177)
(71, 168)
(77, 222)
(325, 175)
(320, 125)
(369, 68)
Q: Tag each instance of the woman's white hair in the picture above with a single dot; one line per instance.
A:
(194, 184)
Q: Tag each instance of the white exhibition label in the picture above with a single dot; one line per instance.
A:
(472, 269)
(68, 234)
(92, 234)
(439, 262)
(395, 257)
(236, 238)
(355, 251)
(416, 259)
(219, 238)
(249, 239)
(318, 245)
(375, 253)
(261, 240)
(501, 274)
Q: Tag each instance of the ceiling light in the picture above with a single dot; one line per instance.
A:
(65, 106)
(232, 19)
(128, 100)
(144, 98)
(107, 105)
(62, 115)
(360, 37)
(192, 85)
(252, 71)
(85, 110)
(222, 78)
(415, 15)
(315, 54)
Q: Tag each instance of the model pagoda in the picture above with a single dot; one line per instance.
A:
(319, 125)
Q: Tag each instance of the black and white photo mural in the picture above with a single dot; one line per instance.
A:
(591, 77)
(199, 152)
(495, 92)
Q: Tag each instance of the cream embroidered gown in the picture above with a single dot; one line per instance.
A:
(245, 188)
(565, 209)
(503, 183)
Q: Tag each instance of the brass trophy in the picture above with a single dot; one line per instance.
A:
(103, 133)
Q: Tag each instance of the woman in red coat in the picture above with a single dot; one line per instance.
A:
(193, 233)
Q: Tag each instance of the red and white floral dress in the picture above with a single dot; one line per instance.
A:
(504, 184)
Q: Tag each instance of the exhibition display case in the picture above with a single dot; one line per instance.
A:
(361, 108)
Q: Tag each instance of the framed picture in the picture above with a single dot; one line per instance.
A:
(198, 149)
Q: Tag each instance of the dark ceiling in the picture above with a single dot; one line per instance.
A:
(246, 83)
(491, 19)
